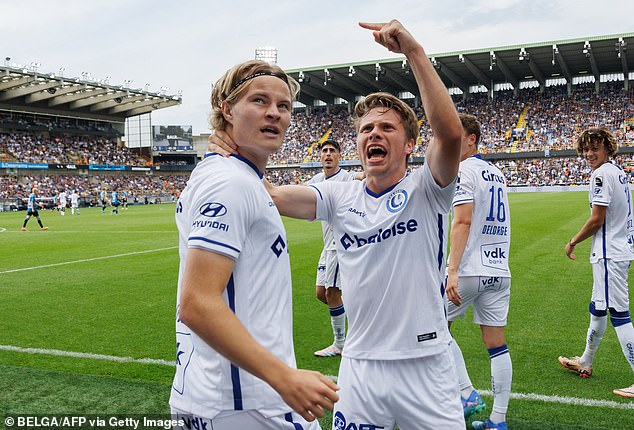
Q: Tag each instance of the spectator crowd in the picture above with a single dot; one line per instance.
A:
(527, 121)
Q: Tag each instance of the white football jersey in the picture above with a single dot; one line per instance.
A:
(225, 209)
(326, 229)
(62, 198)
(614, 240)
(391, 250)
(487, 251)
(74, 199)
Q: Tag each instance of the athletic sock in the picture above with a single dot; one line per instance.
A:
(466, 387)
(338, 322)
(25, 221)
(40, 223)
(593, 338)
(625, 333)
(501, 379)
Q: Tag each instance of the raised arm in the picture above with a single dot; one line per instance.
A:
(204, 311)
(443, 154)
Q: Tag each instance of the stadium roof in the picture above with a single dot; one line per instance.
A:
(27, 90)
(567, 59)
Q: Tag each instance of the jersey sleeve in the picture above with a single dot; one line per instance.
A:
(465, 187)
(602, 189)
(323, 192)
(221, 212)
(441, 198)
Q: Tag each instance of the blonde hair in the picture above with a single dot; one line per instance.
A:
(596, 136)
(235, 81)
(387, 101)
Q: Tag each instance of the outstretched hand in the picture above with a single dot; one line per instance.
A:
(392, 35)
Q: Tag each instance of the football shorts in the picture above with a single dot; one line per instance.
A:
(489, 296)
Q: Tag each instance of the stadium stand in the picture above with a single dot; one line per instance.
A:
(67, 134)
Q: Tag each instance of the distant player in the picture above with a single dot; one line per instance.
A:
(74, 202)
(63, 202)
(328, 283)
(31, 210)
(114, 201)
(478, 271)
(103, 201)
(124, 200)
(612, 232)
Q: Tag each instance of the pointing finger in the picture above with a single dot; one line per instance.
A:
(372, 25)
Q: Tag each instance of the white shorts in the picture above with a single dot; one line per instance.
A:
(489, 296)
(419, 393)
(243, 420)
(328, 270)
(609, 289)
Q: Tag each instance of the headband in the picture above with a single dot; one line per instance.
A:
(258, 74)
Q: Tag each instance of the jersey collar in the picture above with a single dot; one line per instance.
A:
(333, 175)
(241, 158)
(387, 190)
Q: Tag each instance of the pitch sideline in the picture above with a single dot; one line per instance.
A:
(517, 396)
(88, 259)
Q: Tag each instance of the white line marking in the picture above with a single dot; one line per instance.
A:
(2, 229)
(566, 400)
(517, 396)
(553, 399)
(88, 259)
(86, 355)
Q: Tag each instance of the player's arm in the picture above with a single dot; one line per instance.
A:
(295, 201)
(460, 228)
(592, 225)
(204, 311)
(443, 154)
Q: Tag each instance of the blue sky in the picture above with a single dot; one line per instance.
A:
(186, 45)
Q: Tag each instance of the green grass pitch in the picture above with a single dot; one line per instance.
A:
(101, 284)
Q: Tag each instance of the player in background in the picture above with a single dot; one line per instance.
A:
(478, 272)
(390, 233)
(31, 210)
(102, 199)
(612, 232)
(124, 200)
(328, 284)
(74, 202)
(236, 364)
(62, 202)
(114, 201)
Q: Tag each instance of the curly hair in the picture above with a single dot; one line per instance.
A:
(234, 82)
(594, 137)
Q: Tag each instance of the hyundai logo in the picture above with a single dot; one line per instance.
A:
(213, 209)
